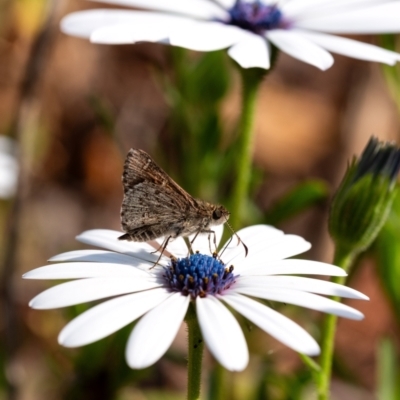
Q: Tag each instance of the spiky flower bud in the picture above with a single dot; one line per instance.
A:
(364, 198)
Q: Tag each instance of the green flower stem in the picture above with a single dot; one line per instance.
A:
(195, 354)
(251, 79)
(343, 259)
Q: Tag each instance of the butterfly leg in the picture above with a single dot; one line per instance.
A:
(162, 247)
(195, 236)
(189, 244)
(209, 241)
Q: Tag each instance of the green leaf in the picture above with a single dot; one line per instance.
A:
(297, 200)
(209, 79)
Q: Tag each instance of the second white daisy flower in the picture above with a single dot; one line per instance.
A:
(304, 29)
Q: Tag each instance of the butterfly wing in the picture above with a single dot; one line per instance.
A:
(153, 204)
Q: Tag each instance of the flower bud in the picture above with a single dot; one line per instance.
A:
(364, 198)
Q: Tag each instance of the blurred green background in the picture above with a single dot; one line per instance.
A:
(88, 104)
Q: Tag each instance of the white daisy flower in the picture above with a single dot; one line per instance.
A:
(161, 295)
(8, 168)
(301, 28)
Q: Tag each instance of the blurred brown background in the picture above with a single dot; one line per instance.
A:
(309, 123)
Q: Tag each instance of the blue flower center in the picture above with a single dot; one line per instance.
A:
(198, 275)
(255, 16)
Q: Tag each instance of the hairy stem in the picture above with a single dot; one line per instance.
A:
(251, 79)
(343, 259)
(195, 354)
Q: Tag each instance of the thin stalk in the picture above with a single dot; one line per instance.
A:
(251, 79)
(195, 354)
(314, 367)
(343, 259)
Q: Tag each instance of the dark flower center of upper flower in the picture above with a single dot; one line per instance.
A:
(198, 275)
(255, 16)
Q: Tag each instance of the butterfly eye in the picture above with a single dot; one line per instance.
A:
(217, 214)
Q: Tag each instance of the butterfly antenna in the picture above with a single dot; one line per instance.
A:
(246, 249)
(226, 246)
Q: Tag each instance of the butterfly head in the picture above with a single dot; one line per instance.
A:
(219, 215)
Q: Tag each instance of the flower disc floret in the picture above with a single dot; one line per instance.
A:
(199, 275)
(255, 16)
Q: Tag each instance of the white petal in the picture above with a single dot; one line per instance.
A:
(110, 316)
(299, 283)
(227, 4)
(155, 332)
(283, 267)
(205, 36)
(296, 9)
(382, 18)
(277, 325)
(303, 299)
(84, 290)
(120, 26)
(254, 237)
(352, 48)
(194, 8)
(300, 48)
(254, 232)
(252, 51)
(84, 23)
(287, 246)
(101, 256)
(76, 270)
(222, 334)
(129, 34)
(109, 240)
